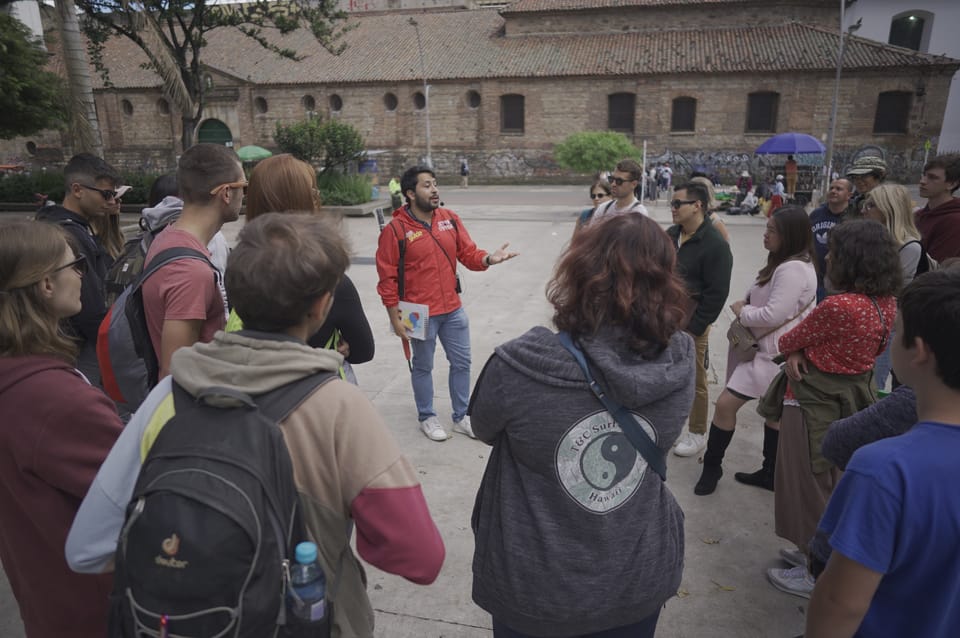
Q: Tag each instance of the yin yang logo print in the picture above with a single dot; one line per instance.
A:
(597, 465)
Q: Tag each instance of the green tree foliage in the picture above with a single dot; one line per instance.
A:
(31, 99)
(172, 35)
(332, 144)
(592, 151)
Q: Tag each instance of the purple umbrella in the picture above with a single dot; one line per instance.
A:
(790, 144)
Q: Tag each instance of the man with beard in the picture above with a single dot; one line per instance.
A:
(417, 260)
(623, 185)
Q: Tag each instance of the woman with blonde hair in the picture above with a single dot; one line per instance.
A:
(283, 183)
(55, 431)
(890, 204)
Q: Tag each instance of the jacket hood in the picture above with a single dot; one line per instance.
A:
(624, 374)
(249, 361)
(13, 370)
(949, 207)
(57, 213)
(163, 213)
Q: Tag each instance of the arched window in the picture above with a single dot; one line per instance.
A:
(621, 110)
(473, 99)
(911, 29)
(260, 104)
(127, 107)
(390, 102)
(309, 103)
(511, 113)
(683, 115)
(762, 112)
(336, 103)
(419, 101)
(214, 132)
(893, 112)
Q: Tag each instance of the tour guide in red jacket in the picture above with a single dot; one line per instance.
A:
(434, 241)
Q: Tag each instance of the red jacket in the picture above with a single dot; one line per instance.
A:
(940, 229)
(55, 431)
(429, 263)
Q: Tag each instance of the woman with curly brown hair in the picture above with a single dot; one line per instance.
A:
(569, 510)
(828, 376)
(55, 431)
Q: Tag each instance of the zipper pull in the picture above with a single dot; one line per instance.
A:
(285, 578)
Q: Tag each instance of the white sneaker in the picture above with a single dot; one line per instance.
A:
(690, 444)
(463, 426)
(795, 580)
(794, 556)
(433, 430)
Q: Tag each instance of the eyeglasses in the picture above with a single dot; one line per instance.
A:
(677, 203)
(241, 184)
(869, 205)
(598, 195)
(619, 180)
(104, 192)
(79, 266)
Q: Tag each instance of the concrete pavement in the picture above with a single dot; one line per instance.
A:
(729, 535)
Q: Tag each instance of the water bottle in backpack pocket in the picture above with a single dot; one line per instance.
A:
(308, 614)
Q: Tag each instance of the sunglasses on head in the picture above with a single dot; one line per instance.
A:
(106, 193)
(619, 180)
(79, 265)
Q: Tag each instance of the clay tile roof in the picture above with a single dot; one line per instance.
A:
(530, 6)
(463, 45)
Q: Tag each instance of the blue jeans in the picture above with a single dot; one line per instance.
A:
(643, 629)
(454, 331)
(883, 365)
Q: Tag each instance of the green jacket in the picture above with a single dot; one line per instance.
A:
(705, 262)
(824, 398)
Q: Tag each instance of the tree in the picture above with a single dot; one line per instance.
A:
(31, 98)
(592, 151)
(172, 34)
(84, 124)
(332, 142)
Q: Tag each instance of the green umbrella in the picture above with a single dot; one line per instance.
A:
(253, 153)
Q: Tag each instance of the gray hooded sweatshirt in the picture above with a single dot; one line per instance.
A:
(574, 532)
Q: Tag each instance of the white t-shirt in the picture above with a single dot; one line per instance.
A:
(609, 209)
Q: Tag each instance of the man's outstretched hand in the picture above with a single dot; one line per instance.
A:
(500, 255)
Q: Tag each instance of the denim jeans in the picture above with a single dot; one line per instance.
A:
(883, 365)
(454, 331)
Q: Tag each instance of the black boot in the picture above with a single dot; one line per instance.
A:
(764, 476)
(717, 444)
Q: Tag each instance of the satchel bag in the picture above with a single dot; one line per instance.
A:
(745, 344)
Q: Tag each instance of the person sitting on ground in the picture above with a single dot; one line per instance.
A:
(599, 194)
(782, 295)
(893, 520)
(55, 431)
(283, 183)
(347, 467)
(828, 375)
(562, 473)
(744, 186)
(890, 205)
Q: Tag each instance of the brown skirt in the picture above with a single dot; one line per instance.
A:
(800, 496)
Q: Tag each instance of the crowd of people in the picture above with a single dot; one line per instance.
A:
(580, 420)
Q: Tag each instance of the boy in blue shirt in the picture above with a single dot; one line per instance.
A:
(894, 519)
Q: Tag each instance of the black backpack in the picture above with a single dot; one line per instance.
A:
(213, 521)
(129, 264)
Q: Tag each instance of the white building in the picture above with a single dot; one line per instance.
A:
(928, 26)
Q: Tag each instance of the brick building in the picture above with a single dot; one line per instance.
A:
(703, 82)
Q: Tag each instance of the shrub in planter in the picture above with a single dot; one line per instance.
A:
(343, 190)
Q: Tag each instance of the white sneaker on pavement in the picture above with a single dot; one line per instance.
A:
(690, 444)
(463, 426)
(794, 556)
(795, 580)
(433, 430)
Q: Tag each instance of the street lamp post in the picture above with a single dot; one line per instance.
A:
(831, 133)
(426, 88)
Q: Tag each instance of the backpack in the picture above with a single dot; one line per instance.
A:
(129, 264)
(213, 522)
(129, 367)
(926, 263)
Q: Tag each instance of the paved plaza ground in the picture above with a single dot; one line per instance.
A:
(729, 535)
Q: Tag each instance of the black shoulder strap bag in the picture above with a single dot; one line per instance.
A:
(652, 454)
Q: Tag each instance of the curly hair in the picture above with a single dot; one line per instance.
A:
(796, 241)
(622, 272)
(863, 258)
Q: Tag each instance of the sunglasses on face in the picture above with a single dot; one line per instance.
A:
(619, 180)
(79, 266)
(107, 194)
(677, 203)
(597, 195)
